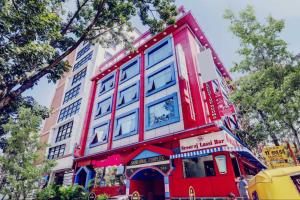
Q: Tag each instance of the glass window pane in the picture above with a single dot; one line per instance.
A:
(199, 167)
(159, 53)
(162, 112)
(127, 124)
(160, 79)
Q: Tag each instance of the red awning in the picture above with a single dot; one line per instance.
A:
(109, 161)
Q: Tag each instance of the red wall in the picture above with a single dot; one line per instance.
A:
(185, 38)
(216, 186)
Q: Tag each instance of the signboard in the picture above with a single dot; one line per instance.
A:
(192, 194)
(92, 196)
(149, 160)
(160, 162)
(135, 195)
(277, 156)
(275, 153)
(163, 167)
(206, 141)
(210, 89)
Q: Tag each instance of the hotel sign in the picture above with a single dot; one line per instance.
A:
(148, 160)
(207, 141)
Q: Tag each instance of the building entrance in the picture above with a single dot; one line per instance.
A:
(149, 183)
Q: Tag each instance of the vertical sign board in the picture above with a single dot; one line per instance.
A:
(192, 194)
(212, 98)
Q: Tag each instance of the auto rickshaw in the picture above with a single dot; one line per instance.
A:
(280, 183)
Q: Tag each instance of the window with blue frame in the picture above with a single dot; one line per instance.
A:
(126, 125)
(159, 52)
(160, 79)
(162, 112)
(70, 110)
(82, 51)
(128, 95)
(103, 107)
(107, 84)
(80, 75)
(130, 70)
(100, 134)
(72, 93)
(81, 62)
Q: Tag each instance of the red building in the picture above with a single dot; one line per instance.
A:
(159, 121)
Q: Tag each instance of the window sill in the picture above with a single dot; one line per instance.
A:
(172, 121)
(102, 115)
(97, 144)
(128, 103)
(125, 135)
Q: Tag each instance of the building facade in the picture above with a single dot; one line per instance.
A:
(159, 123)
(62, 130)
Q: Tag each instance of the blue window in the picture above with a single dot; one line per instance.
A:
(159, 52)
(104, 107)
(128, 95)
(160, 79)
(70, 110)
(126, 125)
(72, 93)
(100, 134)
(162, 112)
(83, 60)
(130, 70)
(83, 51)
(107, 84)
(80, 75)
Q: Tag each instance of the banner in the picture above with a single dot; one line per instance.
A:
(207, 141)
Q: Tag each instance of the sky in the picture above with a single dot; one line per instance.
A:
(209, 14)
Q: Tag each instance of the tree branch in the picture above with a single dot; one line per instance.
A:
(73, 17)
(32, 79)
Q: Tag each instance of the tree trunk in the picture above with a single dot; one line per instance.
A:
(275, 139)
(295, 133)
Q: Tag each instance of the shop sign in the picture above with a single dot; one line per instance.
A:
(149, 160)
(135, 195)
(275, 153)
(163, 168)
(211, 98)
(92, 196)
(192, 194)
(210, 140)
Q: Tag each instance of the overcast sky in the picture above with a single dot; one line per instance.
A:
(209, 14)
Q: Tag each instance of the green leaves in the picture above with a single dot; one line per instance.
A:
(267, 92)
(37, 35)
(19, 173)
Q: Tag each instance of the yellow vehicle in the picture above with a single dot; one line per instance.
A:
(280, 183)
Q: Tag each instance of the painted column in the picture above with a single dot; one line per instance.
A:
(127, 186)
(167, 187)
